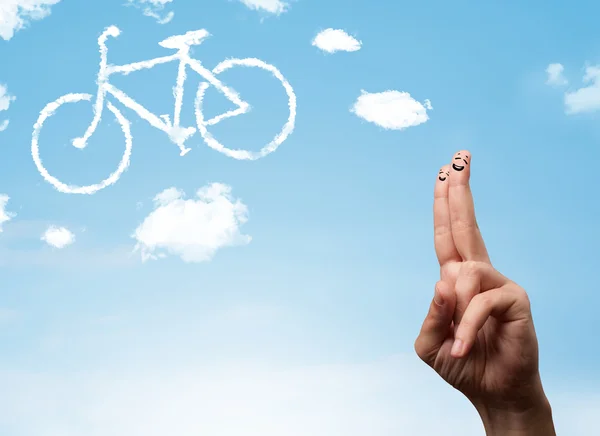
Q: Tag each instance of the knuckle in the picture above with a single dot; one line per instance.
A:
(483, 300)
(522, 296)
(470, 268)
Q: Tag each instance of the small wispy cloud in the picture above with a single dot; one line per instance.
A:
(5, 100)
(58, 237)
(555, 75)
(392, 110)
(192, 229)
(587, 98)
(17, 14)
(332, 40)
(272, 6)
(5, 215)
(153, 9)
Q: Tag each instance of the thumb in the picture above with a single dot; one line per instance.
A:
(436, 326)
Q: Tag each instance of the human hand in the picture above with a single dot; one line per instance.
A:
(479, 334)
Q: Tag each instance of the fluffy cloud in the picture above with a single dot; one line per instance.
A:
(4, 214)
(16, 14)
(585, 99)
(58, 237)
(332, 40)
(193, 229)
(555, 75)
(272, 6)
(5, 100)
(393, 110)
(152, 8)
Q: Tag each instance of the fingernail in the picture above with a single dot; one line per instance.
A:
(437, 298)
(457, 348)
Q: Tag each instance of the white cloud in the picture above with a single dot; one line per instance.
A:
(58, 237)
(389, 397)
(5, 100)
(393, 110)
(192, 229)
(555, 75)
(332, 40)
(585, 99)
(16, 14)
(272, 6)
(4, 214)
(152, 8)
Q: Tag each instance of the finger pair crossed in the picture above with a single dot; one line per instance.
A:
(457, 236)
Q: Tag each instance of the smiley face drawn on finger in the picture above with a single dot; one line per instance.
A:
(459, 160)
(443, 175)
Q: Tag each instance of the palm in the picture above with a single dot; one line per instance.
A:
(502, 356)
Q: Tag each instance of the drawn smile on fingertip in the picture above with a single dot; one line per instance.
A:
(443, 175)
(460, 158)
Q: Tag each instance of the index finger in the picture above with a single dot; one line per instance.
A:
(442, 231)
(465, 231)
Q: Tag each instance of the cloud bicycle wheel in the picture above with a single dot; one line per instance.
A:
(49, 111)
(277, 140)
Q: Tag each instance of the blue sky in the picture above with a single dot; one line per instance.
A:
(306, 323)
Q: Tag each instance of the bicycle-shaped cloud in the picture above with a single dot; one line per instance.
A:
(176, 132)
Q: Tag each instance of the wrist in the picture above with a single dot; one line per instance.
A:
(530, 416)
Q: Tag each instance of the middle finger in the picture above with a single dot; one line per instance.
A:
(465, 231)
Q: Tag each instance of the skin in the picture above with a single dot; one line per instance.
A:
(443, 175)
(479, 334)
(460, 161)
